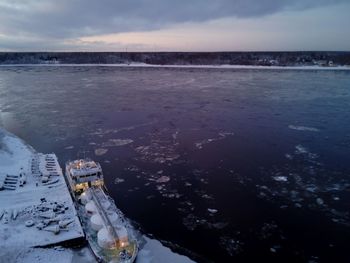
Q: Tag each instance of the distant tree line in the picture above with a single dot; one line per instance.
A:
(179, 58)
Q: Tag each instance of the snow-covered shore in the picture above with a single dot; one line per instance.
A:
(144, 65)
(33, 212)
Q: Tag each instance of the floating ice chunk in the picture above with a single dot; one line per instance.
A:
(288, 156)
(206, 196)
(262, 194)
(171, 195)
(174, 135)
(118, 180)
(319, 201)
(154, 251)
(116, 142)
(163, 179)
(335, 187)
(100, 151)
(311, 188)
(157, 152)
(160, 187)
(69, 147)
(262, 187)
(204, 181)
(188, 184)
(280, 178)
(224, 134)
(219, 225)
(299, 149)
(133, 168)
(199, 145)
(303, 128)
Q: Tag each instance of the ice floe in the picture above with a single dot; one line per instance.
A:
(163, 179)
(156, 152)
(303, 128)
(100, 151)
(119, 180)
(221, 136)
(69, 147)
(155, 252)
(280, 178)
(102, 132)
(117, 142)
(299, 149)
(319, 201)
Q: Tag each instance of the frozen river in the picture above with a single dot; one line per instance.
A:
(228, 165)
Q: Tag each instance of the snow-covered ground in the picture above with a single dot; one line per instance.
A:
(313, 67)
(17, 207)
(33, 211)
(154, 252)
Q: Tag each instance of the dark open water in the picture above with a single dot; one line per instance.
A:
(266, 151)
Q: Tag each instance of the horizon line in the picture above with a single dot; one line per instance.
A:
(174, 51)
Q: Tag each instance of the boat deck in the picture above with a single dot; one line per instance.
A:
(106, 208)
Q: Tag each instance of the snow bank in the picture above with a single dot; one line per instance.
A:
(314, 67)
(154, 252)
(57, 254)
(14, 154)
(32, 201)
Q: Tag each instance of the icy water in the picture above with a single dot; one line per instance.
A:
(228, 165)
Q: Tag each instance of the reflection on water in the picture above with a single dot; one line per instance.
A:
(233, 165)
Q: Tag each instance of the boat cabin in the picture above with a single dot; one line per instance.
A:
(83, 174)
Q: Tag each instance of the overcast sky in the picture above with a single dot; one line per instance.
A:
(174, 25)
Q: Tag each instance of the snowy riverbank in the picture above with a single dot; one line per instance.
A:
(144, 65)
(34, 210)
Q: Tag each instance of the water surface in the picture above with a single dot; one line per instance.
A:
(229, 165)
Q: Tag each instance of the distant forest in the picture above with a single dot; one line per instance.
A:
(180, 58)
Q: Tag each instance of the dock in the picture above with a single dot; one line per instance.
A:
(36, 208)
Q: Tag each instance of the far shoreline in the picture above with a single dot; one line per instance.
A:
(144, 65)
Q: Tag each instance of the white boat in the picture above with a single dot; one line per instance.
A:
(110, 236)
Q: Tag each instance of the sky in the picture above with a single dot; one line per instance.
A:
(174, 25)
